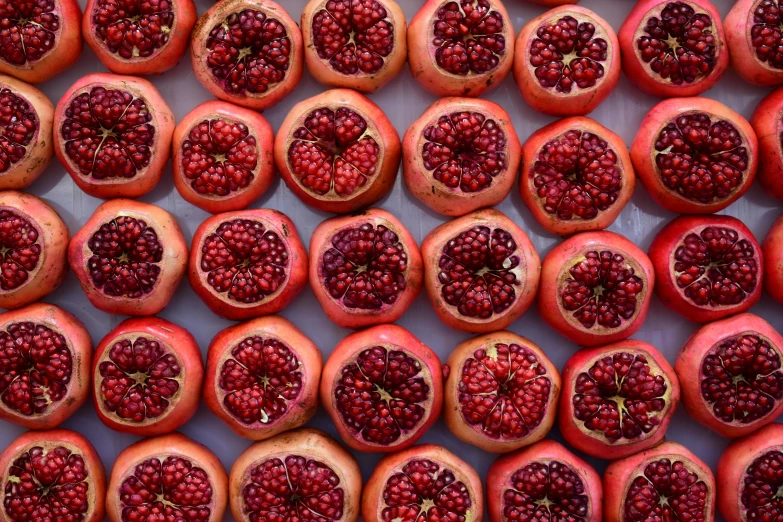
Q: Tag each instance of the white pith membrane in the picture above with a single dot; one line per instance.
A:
(136, 21)
(761, 486)
(40, 21)
(13, 246)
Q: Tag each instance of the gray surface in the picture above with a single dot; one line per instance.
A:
(403, 100)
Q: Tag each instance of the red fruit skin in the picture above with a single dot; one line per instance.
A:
(390, 336)
(162, 119)
(662, 251)
(744, 61)
(503, 469)
(270, 327)
(552, 3)
(767, 122)
(569, 426)
(772, 247)
(264, 173)
(640, 73)
(551, 102)
(355, 318)
(435, 194)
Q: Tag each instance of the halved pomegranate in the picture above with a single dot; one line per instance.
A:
(767, 123)
(247, 52)
(223, 157)
(543, 482)
(772, 248)
(247, 263)
(113, 135)
(129, 257)
(673, 48)
(337, 151)
(138, 36)
(460, 155)
(754, 39)
(39, 39)
(51, 476)
(501, 392)
(425, 482)
(383, 388)
(44, 367)
(481, 271)
(262, 377)
(299, 475)
(365, 268)
(707, 267)
(576, 176)
(460, 47)
(356, 44)
(33, 244)
(667, 482)
(566, 61)
(169, 478)
(617, 399)
(147, 376)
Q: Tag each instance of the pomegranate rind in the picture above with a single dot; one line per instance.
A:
(263, 175)
(306, 442)
(503, 469)
(772, 248)
(620, 474)
(596, 444)
(473, 434)
(552, 3)
(437, 195)
(76, 443)
(270, 327)
(390, 337)
(172, 265)
(767, 122)
(662, 253)
(744, 60)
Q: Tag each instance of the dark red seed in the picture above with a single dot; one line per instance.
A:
(468, 35)
(133, 28)
(425, 490)
(28, 30)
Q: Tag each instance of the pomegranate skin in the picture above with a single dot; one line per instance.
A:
(643, 155)
(767, 122)
(552, 3)
(172, 264)
(598, 444)
(621, 474)
(161, 118)
(458, 365)
(640, 72)
(299, 410)
(321, 242)
(258, 129)
(666, 246)
(49, 272)
(739, 24)
(772, 247)
(389, 337)
(455, 201)
(548, 100)
(500, 478)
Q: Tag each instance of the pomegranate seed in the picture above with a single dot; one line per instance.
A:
(28, 30)
(668, 490)
(425, 490)
(765, 34)
(20, 250)
(18, 125)
(546, 491)
(760, 484)
(468, 36)
(133, 28)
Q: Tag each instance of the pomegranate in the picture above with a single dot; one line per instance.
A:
(461, 155)
(772, 247)
(138, 36)
(300, 475)
(667, 482)
(617, 399)
(129, 257)
(223, 157)
(460, 47)
(383, 388)
(39, 39)
(566, 61)
(33, 243)
(552, 3)
(754, 40)
(167, 478)
(365, 268)
(357, 44)
(247, 52)
(247, 263)
(576, 176)
(51, 476)
(113, 135)
(425, 482)
(262, 377)
(543, 482)
(767, 123)
(147, 376)
(44, 367)
(501, 392)
(673, 48)
(481, 271)
(707, 267)
(337, 151)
